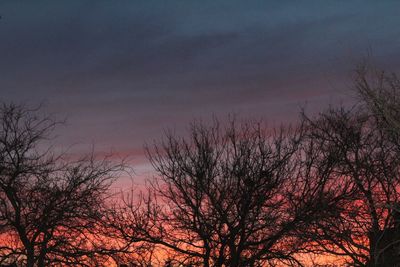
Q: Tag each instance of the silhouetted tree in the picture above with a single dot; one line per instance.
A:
(357, 152)
(234, 196)
(50, 208)
(380, 94)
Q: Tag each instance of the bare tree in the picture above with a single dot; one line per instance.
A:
(233, 196)
(50, 208)
(380, 94)
(361, 148)
(355, 153)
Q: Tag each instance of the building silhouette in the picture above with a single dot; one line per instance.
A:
(385, 245)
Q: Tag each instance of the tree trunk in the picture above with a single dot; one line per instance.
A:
(30, 261)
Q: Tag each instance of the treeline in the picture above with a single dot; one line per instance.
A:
(227, 194)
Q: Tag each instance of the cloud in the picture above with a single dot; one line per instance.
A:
(124, 71)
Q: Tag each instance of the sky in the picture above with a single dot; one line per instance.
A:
(122, 72)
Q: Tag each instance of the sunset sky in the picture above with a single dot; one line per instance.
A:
(121, 72)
